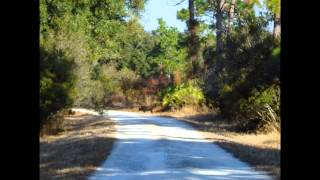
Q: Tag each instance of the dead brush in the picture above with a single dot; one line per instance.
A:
(55, 123)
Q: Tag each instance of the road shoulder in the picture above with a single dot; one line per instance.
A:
(76, 152)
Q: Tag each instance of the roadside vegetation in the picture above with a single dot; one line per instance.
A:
(76, 152)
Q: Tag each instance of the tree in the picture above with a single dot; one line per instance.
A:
(86, 33)
(94, 50)
(193, 42)
(274, 7)
(231, 14)
(56, 82)
(167, 52)
(219, 32)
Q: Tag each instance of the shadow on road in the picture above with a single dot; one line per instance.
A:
(181, 164)
(151, 147)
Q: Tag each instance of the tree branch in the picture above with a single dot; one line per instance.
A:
(180, 2)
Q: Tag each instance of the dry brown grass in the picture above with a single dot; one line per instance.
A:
(75, 153)
(262, 151)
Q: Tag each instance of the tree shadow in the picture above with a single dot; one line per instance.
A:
(162, 121)
(209, 123)
(74, 159)
(168, 156)
(75, 155)
(262, 159)
(172, 159)
(161, 152)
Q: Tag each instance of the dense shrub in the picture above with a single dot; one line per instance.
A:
(263, 107)
(56, 82)
(114, 87)
(247, 88)
(54, 124)
(188, 93)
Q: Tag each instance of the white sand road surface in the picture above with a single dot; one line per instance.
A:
(151, 147)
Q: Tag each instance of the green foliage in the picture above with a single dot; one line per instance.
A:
(188, 93)
(127, 78)
(135, 47)
(270, 96)
(249, 82)
(56, 82)
(94, 51)
(111, 82)
(167, 53)
(263, 105)
(183, 14)
(226, 89)
(202, 6)
(76, 38)
(273, 6)
(247, 50)
(136, 5)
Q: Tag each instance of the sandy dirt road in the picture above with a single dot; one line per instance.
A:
(151, 147)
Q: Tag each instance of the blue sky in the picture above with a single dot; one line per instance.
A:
(167, 10)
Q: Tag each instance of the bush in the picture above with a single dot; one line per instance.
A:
(263, 107)
(56, 83)
(54, 123)
(246, 89)
(111, 87)
(127, 78)
(188, 93)
(146, 91)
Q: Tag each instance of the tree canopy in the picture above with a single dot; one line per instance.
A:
(96, 54)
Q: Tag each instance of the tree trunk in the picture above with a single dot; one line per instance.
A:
(277, 27)
(231, 14)
(193, 43)
(219, 30)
